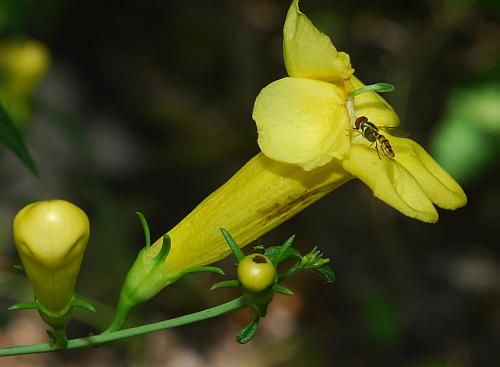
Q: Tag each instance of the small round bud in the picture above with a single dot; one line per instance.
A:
(51, 237)
(256, 272)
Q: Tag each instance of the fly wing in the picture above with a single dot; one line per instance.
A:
(395, 131)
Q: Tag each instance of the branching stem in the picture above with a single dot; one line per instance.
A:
(96, 340)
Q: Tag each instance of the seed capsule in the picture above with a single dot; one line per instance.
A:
(256, 272)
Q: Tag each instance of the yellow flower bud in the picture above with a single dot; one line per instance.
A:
(51, 237)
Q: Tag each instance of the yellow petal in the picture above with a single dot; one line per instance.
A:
(309, 53)
(439, 186)
(302, 121)
(390, 182)
(373, 106)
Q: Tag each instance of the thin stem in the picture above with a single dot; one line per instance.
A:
(93, 341)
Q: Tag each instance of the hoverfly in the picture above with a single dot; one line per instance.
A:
(371, 132)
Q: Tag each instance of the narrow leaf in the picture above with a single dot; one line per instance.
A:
(225, 284)
(202, 269)
(283, 290)
(234, 247)
(248, 332)
(12, 138)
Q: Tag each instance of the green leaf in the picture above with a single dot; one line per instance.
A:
(248, 332)
(225, 284)
(238, 254)
(278, 254)
(12, 138)
(283, 290)
(327, 273)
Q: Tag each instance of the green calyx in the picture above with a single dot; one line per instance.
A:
(58, 320)
(148, 276)
(259, 280)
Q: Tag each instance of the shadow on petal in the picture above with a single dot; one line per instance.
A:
(439, 186)
(391, 183)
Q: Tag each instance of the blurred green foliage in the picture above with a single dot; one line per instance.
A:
(467, 141)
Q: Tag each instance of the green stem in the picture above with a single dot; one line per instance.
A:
(93, 341)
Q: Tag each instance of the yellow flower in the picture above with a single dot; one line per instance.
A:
(23, 64)
(308, 150)
(307, 119)
(51, 237)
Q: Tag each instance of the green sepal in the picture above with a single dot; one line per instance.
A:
(164, 251)
(33, 305)
(248, 332)
(80, 303)
(278, 254)
(145, 227)
(225, 284)
(238, 254)
(204, 269)
(283, 290)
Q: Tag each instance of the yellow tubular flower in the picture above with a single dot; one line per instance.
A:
(304, 124)
(51, 237)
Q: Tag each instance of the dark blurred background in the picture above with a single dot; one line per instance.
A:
(146, 106)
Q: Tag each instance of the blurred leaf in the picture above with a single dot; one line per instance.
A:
(382, 320)
(12, 138)
(12, 16)
(466, 141)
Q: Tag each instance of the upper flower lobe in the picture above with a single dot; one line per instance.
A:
(307, 119)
